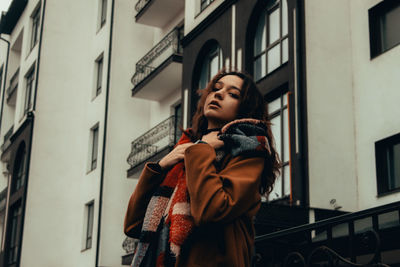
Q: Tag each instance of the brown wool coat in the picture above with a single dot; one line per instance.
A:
(223, 204)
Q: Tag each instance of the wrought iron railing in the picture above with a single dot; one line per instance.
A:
(6, 141)
(167, 47)
(355, 239)
(13, 84)
(141, 4)
(162, 136)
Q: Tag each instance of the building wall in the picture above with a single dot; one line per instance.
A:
(60, 182)
(376, 93)
(128, 118)
(331, 129)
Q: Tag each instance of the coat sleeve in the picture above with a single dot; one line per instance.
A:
(223, 196)
(148, 183)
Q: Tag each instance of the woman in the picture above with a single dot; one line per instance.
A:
(196, 205)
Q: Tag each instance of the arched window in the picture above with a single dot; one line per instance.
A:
(271, 39)
(19, 173)
(211, 63)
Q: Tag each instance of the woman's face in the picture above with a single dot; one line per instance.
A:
(222, 103)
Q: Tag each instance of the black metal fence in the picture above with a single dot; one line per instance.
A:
(366, 238)
(160, 137)
(167, 47)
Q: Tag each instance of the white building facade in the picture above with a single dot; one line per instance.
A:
(91, 90)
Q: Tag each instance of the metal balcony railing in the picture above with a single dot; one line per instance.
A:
(141, 4)
(354, 239)
(167, 47)
(162, 136)
(6, 141)
(13, 84)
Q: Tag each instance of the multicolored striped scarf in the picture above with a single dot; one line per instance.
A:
(168, 221)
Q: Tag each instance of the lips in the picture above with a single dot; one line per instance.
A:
(215, 103)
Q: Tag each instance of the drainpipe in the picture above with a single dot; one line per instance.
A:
(1, 119)
(104, 137)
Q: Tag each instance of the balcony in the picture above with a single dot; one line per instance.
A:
(159, 72)
(158, 13)
(365, 238)
(7, 142)
(153, 144)
(129, 245)
(12, 89)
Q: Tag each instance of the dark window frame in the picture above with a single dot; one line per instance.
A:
(14, 232)
(89, 224)
(103, 12)
(99, 73)
(35, 17)
(280, 94)
(268, 10)
(214, 51)
(29, 79)
(375, 16)
(382, 161)
(204, 4)
(94, 147)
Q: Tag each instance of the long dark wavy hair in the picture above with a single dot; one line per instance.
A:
(252, 105)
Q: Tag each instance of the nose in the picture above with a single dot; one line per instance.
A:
(219, 95)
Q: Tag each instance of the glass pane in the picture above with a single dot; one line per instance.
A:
(284, 18)
(390, 28)
(259, 41)
(259, 68)
(340, 230)
(285, 101)
(276, 132)
(204, 75)
(277, 190)
(213, 66)
(274, 58)
(285, 50)
(273, 26)
(388, 220)
(363, 225)
(285, 130)
(274, 105)
(286, 177)
(394, 166)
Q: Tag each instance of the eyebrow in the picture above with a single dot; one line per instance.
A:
(231, 87)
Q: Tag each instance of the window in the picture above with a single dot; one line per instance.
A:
(89, 225)
(278, 114)
(387, 156)
(29, 77)
(99, 74)
(271, 39)
(103, 12)
(18, 180)
(384, 21)
(94, 142)
(211, 65)
(204, 4)
(1, 77)
(35, 27)
(14, 233)
(178, 122)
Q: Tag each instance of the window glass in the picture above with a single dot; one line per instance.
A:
(273, 26)
(285, 50)
(259, 42)
(274, 58)
(211, 64)
(271, 37)
(384, 20)
(278, 115)
(394, 166)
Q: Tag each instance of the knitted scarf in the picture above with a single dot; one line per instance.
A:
(168, 221)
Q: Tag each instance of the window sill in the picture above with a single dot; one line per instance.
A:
(387, 193)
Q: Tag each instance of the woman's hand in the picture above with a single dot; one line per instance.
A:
(212, 139)
(173, 157)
